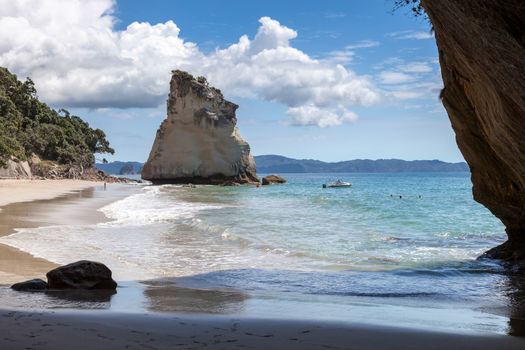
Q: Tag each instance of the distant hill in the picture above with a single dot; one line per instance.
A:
(121, 168)
(280, 164)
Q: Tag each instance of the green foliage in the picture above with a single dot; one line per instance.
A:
(182, 74)
(202, 80)
(28, 126)
(414, 5)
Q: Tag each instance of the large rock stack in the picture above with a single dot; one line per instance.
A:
(198, 142)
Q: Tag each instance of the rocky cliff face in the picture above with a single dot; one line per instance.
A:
(13, 168)
(198, 141)
(482, 55)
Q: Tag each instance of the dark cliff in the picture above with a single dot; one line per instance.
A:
(482, 56)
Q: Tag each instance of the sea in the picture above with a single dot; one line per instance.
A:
(396, 249)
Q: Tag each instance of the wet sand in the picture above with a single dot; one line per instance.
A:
(15, 191)
(28, 204)
(96, 330)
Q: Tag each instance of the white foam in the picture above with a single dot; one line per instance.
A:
(131, 244)
(151, 206)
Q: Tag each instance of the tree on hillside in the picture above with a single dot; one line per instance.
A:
(29, 126)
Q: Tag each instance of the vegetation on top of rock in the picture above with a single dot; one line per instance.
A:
(28, 126)
(182, 74)
(202, 80)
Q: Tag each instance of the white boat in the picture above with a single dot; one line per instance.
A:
(337, 183)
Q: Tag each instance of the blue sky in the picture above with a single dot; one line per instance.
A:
(382, 101)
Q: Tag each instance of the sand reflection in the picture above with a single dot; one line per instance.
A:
(166, 296)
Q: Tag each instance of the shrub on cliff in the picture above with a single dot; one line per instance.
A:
(28, 126)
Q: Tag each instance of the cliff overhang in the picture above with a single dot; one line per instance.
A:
(482, 57)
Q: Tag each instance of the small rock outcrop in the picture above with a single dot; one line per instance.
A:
(34, 285)
(198, 142)
(482, 56)
(273, 179)
(13, 168)
(81, 275)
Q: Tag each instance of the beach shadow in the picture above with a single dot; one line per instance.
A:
(166, 296)
(516, 295)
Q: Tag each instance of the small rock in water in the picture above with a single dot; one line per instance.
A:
(230, 183)
(81, 275)
(34, 285)
(273, 179)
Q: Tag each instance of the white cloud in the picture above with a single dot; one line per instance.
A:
(363, 44)
(389, 77)
(411, 34)
(416, 67)
(402, 94)
(312, 115)
(340, 57)
(416, 90)
(346, 55)
(76, 57)
(404, 80)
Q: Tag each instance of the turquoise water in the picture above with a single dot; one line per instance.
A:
(366, 227)
(401, 245)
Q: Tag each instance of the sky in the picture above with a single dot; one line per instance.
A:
(329, 80)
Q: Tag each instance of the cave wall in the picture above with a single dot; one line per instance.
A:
(481, 47)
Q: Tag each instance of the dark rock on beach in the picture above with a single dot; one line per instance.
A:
(273, 179)
(34, 285)
(512, 253)
(81, 275)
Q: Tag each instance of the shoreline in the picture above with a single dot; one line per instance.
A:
(26, 204)
(26, 190)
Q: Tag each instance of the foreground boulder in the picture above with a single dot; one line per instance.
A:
(34, 285)
(81, 275)
(198, 142)
(273, 179)
(482, 56)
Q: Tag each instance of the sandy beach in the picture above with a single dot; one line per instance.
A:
(28, 204)
(15, 191)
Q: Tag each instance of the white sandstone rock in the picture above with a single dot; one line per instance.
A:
(198, 142)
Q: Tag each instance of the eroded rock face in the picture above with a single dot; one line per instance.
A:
(13, 168)
(482, 55)
(82, 274)
(198, 142)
